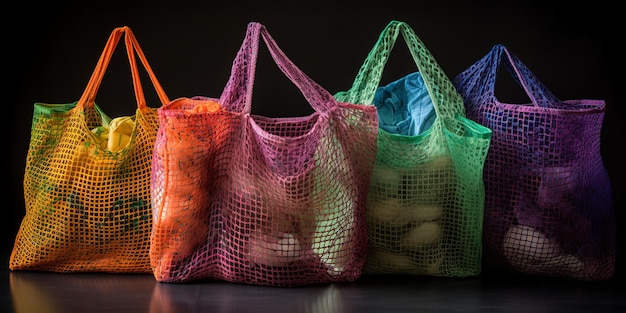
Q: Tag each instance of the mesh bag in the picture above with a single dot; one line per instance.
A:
(267, 201)
(425, 200)
(87, 180)
(548, 207)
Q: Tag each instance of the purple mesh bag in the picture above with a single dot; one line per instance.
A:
(548, 207)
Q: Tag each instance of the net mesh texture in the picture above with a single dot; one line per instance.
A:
(548, 207)
(258, 200)
(425, 200)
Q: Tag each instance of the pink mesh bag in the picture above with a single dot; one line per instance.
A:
(258, 200)
(548, 205)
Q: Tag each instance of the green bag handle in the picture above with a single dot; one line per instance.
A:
(447, 102)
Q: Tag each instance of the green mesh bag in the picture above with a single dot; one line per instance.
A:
(426, 197)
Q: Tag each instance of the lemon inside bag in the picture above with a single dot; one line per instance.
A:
(116, 134)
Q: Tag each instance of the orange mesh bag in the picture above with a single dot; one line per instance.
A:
(87, 180)
(258, 200)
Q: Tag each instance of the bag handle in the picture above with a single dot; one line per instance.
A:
(447, 102)
(480, 78)
(237, 95)
(132, 48)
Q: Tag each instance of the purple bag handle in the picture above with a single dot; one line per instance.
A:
(237, 95)
(480, 78)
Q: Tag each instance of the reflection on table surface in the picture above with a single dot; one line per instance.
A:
(43, 292)
(60, 293)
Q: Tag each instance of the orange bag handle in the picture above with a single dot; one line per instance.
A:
(132, 48)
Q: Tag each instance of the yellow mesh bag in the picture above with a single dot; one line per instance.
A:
(87, 180)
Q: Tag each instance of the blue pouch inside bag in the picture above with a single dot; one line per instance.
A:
(404, 106)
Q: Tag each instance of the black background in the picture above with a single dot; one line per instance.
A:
(50, 50)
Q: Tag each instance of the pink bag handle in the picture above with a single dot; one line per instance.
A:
(237, 95)
(132, 47)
